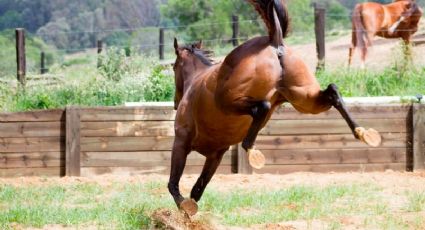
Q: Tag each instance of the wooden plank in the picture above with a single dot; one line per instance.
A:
(130, 171)
(331, 141)
(158, 113)
(127, 128)
(126, 144)
(73, 141)
(139, 159)
(32, 160)
(326, 168)
(32, 144)
(20, 172)
(273, 127)
(128, 114)
(419, 137)
(331, 126)
(32, 129)
(34, 116)
(335, 156)
(364, 111)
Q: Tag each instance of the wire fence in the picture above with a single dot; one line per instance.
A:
(146, 39)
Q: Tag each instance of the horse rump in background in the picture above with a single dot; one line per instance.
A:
(220, 105)
(395, 20)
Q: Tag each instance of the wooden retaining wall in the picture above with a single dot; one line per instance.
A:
(324, 142)
(138, 140)
(132, 140)
(32, 143)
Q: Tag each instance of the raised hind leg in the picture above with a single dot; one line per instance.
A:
(259, 112)
(178, 161)
(332, 96)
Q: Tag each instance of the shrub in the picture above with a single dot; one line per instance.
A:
(158, 86)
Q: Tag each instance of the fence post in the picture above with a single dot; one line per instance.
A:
(43, 68)
(99, 51)
(72, 165)
(243, 163)
(319, 29)
(161, 43)
(20, 55)
(235, 29)
(418, 137)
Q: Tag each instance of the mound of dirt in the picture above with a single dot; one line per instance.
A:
(176, 220)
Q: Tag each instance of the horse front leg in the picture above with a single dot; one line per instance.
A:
(211, 164)
(178, 161)
(331, 95)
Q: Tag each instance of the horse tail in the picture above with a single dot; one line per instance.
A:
(275, 15)
(359, 31)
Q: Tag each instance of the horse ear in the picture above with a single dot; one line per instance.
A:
(199, 44)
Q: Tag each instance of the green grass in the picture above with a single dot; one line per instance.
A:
(119, 206)
(141, 78)
(416, 202)
(389, 82)
(129, 205)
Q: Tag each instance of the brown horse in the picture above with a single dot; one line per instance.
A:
(395, 20)
(219, 105)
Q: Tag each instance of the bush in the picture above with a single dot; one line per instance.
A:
(158, 86)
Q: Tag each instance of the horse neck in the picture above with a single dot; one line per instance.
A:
(191, 76)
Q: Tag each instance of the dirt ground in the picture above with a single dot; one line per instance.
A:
(393, 184)
(384, 52)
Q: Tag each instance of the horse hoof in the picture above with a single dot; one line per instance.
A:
(189, 206)
(256, 158)
(370, 136)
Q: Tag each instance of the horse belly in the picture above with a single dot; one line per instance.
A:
(220, 132)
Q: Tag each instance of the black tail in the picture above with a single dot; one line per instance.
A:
(267, 8)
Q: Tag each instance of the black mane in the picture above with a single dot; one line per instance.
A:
(204, 55)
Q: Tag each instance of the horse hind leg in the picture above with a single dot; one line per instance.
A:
(259, 112)
(332, 96)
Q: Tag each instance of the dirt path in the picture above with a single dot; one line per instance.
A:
(384, 53)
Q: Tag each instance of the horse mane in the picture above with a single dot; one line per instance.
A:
(204, 55)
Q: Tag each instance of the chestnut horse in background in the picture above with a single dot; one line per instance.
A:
(220, 105)
(395, 20)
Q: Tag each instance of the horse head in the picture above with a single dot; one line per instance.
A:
(190, 61)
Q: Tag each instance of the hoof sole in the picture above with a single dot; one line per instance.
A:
(369, 136)
(256, 158)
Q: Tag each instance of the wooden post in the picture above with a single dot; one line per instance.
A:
(243, 163)
(43, 69)
(99, 51)
(418, 137)
(72, 165)
(161, 43)
(20, 55)
(319, 29)
(235, 28)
